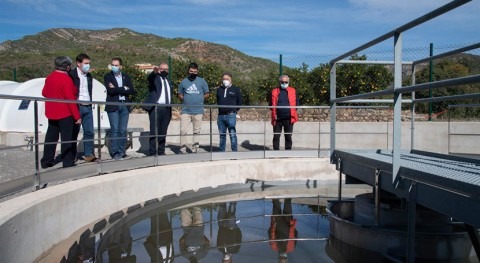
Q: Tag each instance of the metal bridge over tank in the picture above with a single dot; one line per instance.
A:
(444, 183)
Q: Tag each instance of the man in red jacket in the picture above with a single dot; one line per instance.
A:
(61, 116)
(283, 118)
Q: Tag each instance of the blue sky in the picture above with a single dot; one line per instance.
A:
(262, 28)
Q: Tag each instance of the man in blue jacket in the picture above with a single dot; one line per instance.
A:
(228, 95)
(119, 88)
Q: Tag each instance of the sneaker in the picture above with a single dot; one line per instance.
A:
(195, 147)
(183, 150)
(126, 156)
(89, 159)
(117, 157)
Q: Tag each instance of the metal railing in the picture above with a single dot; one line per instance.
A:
(257, 143)
(397, 89)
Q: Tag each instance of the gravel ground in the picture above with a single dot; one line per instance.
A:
(16, 162)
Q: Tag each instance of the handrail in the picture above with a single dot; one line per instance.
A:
(41, 177)
(446, 54)
(437, 12)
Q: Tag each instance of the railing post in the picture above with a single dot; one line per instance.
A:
(412, 126)
(377, 197)
(430, 79)
(37, 161)
(397, 110)
(412, 205)
(333, 108)
(211, 136)
(339, 167)
(99, 136)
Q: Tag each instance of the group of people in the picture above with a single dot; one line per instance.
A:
(65, 118)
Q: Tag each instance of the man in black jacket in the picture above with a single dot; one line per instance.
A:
(84, 82)
(228, 95)
(119, 88)
(160, 91)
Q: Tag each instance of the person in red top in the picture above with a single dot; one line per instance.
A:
(61, 116)
(283, 118)
(282, 232)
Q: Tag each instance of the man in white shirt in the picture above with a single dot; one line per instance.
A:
(159, 92)
(83, 81)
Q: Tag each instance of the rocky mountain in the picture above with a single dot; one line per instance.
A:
(39, 50)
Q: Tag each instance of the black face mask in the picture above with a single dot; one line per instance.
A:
(192, 76)
(163, 74)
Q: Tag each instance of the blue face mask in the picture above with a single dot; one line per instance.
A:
(284, 86)
(85, 68)
(115, 69)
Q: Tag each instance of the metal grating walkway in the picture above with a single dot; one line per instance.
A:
(447, 184)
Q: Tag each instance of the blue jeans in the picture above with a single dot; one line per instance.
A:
(118, 130)
(225, 122)
(87, 124)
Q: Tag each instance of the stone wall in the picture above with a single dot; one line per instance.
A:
(315, 115)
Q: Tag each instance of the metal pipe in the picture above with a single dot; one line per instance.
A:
(449, 98)
(440, 84)
(99, 137)
(363, 95)
(371, 62)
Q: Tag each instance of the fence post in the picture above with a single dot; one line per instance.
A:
(14, 74)
(430, 78)
(169, 67)
(280, 70)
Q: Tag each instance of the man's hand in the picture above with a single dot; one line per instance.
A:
(79, 121)
(110, 85)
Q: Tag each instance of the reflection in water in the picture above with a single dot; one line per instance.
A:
(193, 244)
(229, 235)
(263, 230)
(159, 244)
(282, 231)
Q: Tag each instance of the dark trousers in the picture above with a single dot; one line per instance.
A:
(65, 128)
(164, 114)
(287, 130)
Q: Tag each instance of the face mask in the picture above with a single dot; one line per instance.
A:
(284, 86)
(85, 68)
(115, 69)
(192, 76)
(226, 83)
(163, 74)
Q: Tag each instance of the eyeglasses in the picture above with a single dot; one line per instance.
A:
(283, 82)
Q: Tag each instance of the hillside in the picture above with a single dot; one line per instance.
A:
(33, 51)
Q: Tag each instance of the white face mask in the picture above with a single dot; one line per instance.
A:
(284, 86)
(226, 83)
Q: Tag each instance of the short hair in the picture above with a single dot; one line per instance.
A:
(193, 65)
(227, 74)
(118, 59)
(81, 57)
(62, 63)
(283, 76)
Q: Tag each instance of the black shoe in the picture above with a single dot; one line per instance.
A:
(46, 165)
(69, 165)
